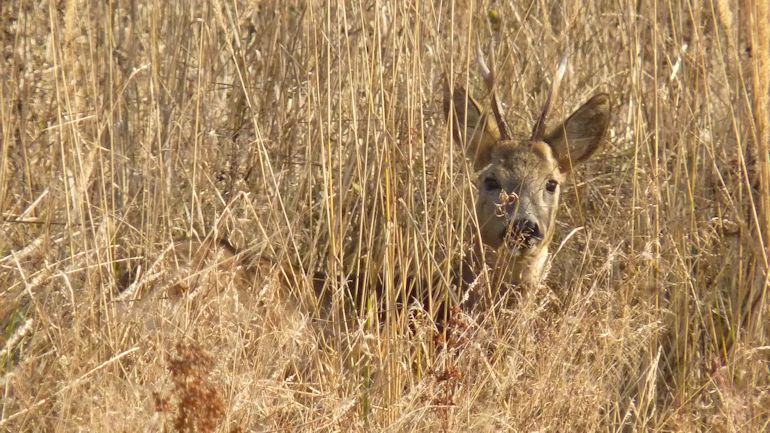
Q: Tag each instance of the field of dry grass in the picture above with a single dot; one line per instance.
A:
(313, 134)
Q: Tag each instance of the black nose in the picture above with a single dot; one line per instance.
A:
(527, 230)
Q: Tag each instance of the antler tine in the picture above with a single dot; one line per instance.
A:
(488, 74)
(539, 129)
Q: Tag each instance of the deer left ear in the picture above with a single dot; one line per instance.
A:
(581, 134)
(478, 131)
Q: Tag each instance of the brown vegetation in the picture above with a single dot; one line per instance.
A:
(314, 134)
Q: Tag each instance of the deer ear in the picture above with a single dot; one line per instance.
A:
(581, 134)
(477, 130)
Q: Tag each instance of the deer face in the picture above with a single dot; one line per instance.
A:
(518, 194)
(518, 183)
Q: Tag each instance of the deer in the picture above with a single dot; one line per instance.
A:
(518, 182)
(517, 190)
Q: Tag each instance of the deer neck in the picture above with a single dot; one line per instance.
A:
(506, 269)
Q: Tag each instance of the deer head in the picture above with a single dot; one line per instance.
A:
(519, 181)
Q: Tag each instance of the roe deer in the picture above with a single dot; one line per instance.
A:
(518, 185)
(517, 194)
(518, 182)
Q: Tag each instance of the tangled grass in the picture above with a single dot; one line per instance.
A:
(312, 133)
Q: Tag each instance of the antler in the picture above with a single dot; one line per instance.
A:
(488, 74)
(539, 129)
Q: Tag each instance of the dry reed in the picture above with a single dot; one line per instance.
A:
(312, 133)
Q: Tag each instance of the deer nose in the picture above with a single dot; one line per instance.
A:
(527, 230)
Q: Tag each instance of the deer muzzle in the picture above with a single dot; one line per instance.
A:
(522, 234)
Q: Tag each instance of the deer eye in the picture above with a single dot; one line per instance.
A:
(491, 184)
(551, 186)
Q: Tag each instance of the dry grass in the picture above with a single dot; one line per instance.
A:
(313, 135)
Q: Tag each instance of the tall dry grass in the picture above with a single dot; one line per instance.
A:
(312, 134)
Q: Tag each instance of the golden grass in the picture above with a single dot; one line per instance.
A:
(313, 134)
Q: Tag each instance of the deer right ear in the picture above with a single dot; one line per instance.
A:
(476, 130)
(581, 134)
